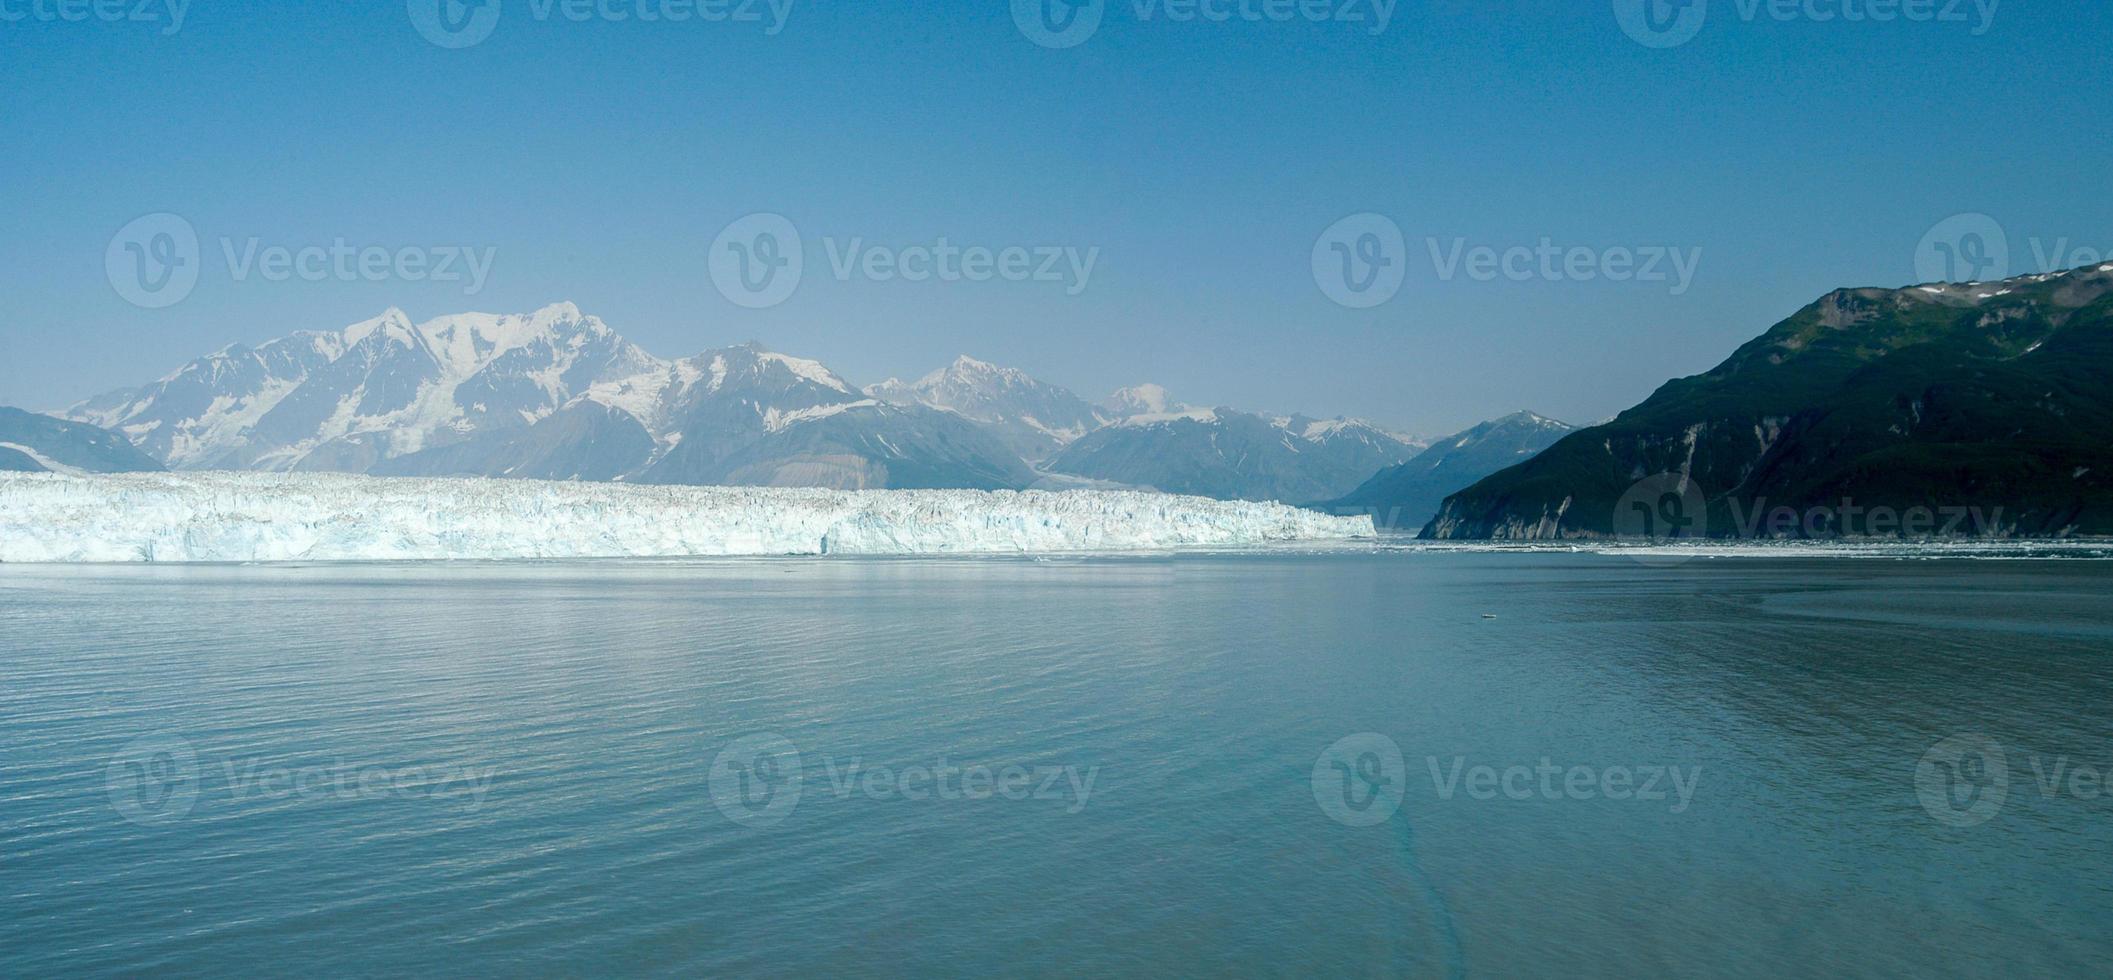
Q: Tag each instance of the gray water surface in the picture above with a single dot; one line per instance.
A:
(585, 768)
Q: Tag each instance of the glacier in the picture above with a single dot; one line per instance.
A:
(262, 517)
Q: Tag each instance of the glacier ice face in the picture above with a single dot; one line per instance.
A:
(225, 516)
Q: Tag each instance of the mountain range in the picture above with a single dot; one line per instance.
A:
(1222, 452)
(32, 443)
(1990, 402)
(1407, 496)
(557, 394)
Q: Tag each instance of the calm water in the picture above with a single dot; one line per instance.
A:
(1101, 766)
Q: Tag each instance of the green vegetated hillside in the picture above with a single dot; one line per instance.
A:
(1987, 404)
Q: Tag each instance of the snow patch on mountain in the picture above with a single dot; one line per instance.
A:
(49, 464)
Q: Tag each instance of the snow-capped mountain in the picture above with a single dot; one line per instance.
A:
(1033, 418)
(738, 415)
(1404, 497)
(558, 395)
(31, 443)
(555, 394)
(1220, 452)
(379, 389)
(1144, 399)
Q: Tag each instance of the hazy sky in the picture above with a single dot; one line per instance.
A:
(596, 160)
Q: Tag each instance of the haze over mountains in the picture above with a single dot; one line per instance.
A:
(557, 394)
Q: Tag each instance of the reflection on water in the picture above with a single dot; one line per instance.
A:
(1112, 765)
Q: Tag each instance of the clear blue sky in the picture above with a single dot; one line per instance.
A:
(600, 159)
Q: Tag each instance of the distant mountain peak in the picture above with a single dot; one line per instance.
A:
(1142, 399)
(563, 309)
(968, 371)
(392, 324)
(1529, 417)
(802, 368)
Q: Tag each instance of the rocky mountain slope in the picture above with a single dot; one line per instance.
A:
(32, 443)
(1989, 402)
(1407, 496)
